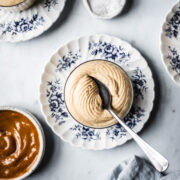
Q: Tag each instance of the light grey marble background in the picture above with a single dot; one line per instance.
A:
(21, 65)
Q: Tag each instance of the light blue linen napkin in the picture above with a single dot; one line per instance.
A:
(137, 168)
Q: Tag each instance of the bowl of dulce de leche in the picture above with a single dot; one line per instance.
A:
(21, 143)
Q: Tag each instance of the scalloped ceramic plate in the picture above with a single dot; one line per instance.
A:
(170, 43)
(30, 23)
(70, 56)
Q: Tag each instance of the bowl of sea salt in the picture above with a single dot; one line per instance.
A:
(104, 9)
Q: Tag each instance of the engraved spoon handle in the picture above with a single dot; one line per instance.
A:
(159, 162)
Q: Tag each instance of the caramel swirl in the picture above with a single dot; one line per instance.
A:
(82, 94)
(19, 144)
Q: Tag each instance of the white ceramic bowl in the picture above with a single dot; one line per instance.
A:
(41, 138)
(109, 15)
(18, 7)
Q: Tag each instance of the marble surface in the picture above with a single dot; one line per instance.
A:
(21, 65)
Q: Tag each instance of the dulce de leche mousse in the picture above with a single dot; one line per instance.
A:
(82, 93)
(10, 2)
(19, 144)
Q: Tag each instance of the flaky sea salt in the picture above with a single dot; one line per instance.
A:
(104, 8)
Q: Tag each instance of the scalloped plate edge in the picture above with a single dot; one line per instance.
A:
(161, 44)
(128, 137)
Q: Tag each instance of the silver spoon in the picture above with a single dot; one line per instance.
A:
(159, 162)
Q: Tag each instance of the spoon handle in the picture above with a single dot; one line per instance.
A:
(159, 162)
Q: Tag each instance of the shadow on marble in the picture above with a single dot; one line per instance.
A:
(128, 6)
(49, 147)
(62, 18)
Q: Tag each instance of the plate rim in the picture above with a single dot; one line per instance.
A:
(45, 28)
(161, 43)
(128, 137)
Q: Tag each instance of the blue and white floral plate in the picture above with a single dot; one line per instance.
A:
(70, 56)
(170, 43)
(27, 24)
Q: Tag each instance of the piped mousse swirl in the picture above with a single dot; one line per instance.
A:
(82, 93)
(19, 144)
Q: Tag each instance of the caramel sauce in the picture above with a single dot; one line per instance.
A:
(19, 144)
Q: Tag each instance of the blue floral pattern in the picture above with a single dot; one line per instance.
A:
(134, 116)
(22, 26)
(115, 54)
(139, 83)
(109, 51)
(56, 101)
(68, 60)
(86, 133)
(29, 23)
(174, 59)
(49, 3)
(173, 25)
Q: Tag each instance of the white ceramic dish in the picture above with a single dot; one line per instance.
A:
(41, 138)
(110, 15)
(30, 23)
(18, 7)
(61, 65)
(170, 41)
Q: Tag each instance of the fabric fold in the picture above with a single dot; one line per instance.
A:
(135, 168)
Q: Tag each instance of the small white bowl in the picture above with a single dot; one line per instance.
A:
(110, 15)
(18, 7)
(41, 138)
